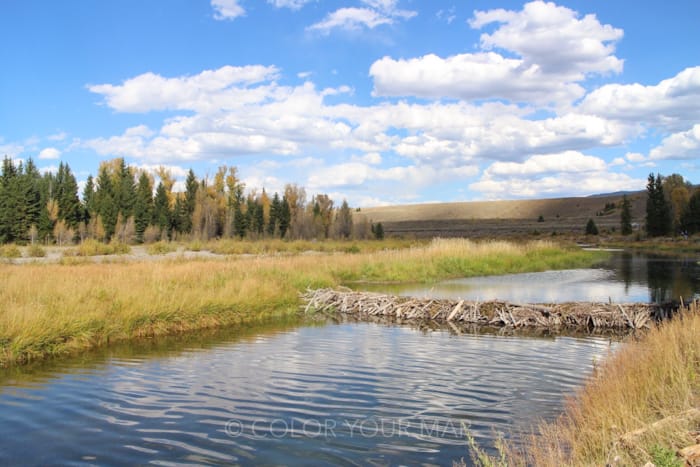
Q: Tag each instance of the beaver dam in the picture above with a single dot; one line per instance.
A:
(576, 315)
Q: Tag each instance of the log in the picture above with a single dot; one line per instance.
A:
(691, 455)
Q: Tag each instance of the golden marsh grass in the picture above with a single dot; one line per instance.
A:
(57, 309)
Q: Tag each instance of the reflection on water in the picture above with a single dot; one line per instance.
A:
(625, 277)
(352, 393)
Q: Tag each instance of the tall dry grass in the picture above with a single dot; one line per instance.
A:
(56, 309)
(641, 401)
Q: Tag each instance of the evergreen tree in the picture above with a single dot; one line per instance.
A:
(161, 210)
(126, 190)
(69, 207)
(240, 221)
(658, 219)
(378, 231)
(591, 228)
(89, 205)
(143, 206)
(105, 201)
(191, 186)
(8, 201)
(275, 208)
(285, 216)
(626, 216)
(691, 216)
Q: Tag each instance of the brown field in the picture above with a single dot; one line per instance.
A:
(504, 218)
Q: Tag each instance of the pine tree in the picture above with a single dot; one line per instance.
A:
(591, 228)
(658, 219)
(626, 216)
(89, 207)
(107, 208)
(69, 207)
(143, 206)
(285, 216)
(161, 210)
(690, 220)
(379, 231)
(126, 190)
(191, 186)
(8, 201)
(275, 207)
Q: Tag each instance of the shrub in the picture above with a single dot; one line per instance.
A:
(10, 251)
(36, 251)
(161, 248)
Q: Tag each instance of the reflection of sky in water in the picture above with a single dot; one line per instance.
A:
(590, 285)
(175, 409)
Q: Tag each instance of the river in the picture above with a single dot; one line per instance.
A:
(315, 392)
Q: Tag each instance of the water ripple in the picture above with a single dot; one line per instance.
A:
(352, 394)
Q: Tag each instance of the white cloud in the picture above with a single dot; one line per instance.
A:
(564, 174)
(635, 157)
(447, 15)
(52, 169)
(470, 76)
(11, 150)
(210, 90)
(683, 145)
(291, 4)
(49, 153)
(377, 13)
(674, 103)
(569, 162)
(554, 38)
(563, 184)
(618, 161)
(556, 50)
(371, 158)
(227, 9)
(60, 136)
(304, 74)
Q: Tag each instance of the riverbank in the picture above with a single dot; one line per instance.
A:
(641, 405)
(59, 309)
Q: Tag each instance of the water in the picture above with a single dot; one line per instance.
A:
(349, 393)
(625, 277)
(321, 393)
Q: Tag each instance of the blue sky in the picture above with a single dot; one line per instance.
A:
(376, 101)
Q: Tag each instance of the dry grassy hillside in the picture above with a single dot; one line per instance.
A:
(494, 218)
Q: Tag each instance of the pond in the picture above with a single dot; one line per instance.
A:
(348, 393)
(624, 277)
(322, 393)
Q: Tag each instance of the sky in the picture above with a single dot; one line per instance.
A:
(374, 101)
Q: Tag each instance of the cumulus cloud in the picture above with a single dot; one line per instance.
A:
(227, 9)
(210, 90)
(566, 173)
(556, 50)
(60, 136)
(569, 161)
(376, 13)
(49, 153)
(673, 103)
(11, 150)
(554, 38)
(683, 145)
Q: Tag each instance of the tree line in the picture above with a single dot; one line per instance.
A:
(672, 206)
(125, 204)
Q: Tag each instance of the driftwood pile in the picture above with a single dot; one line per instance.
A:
(579, 315)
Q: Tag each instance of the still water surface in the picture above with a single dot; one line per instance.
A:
(624, 277)
(319, 393)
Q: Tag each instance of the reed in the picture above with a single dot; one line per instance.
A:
(58, 309)
(641, 404)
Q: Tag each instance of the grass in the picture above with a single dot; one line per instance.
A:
(59, 309)
(161, 248)
(277, 246)
(95, 248)
(633, 410)
(10, 251)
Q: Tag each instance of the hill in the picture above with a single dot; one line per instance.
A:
(505, 218)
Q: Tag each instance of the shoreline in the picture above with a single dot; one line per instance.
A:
(62, 309)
